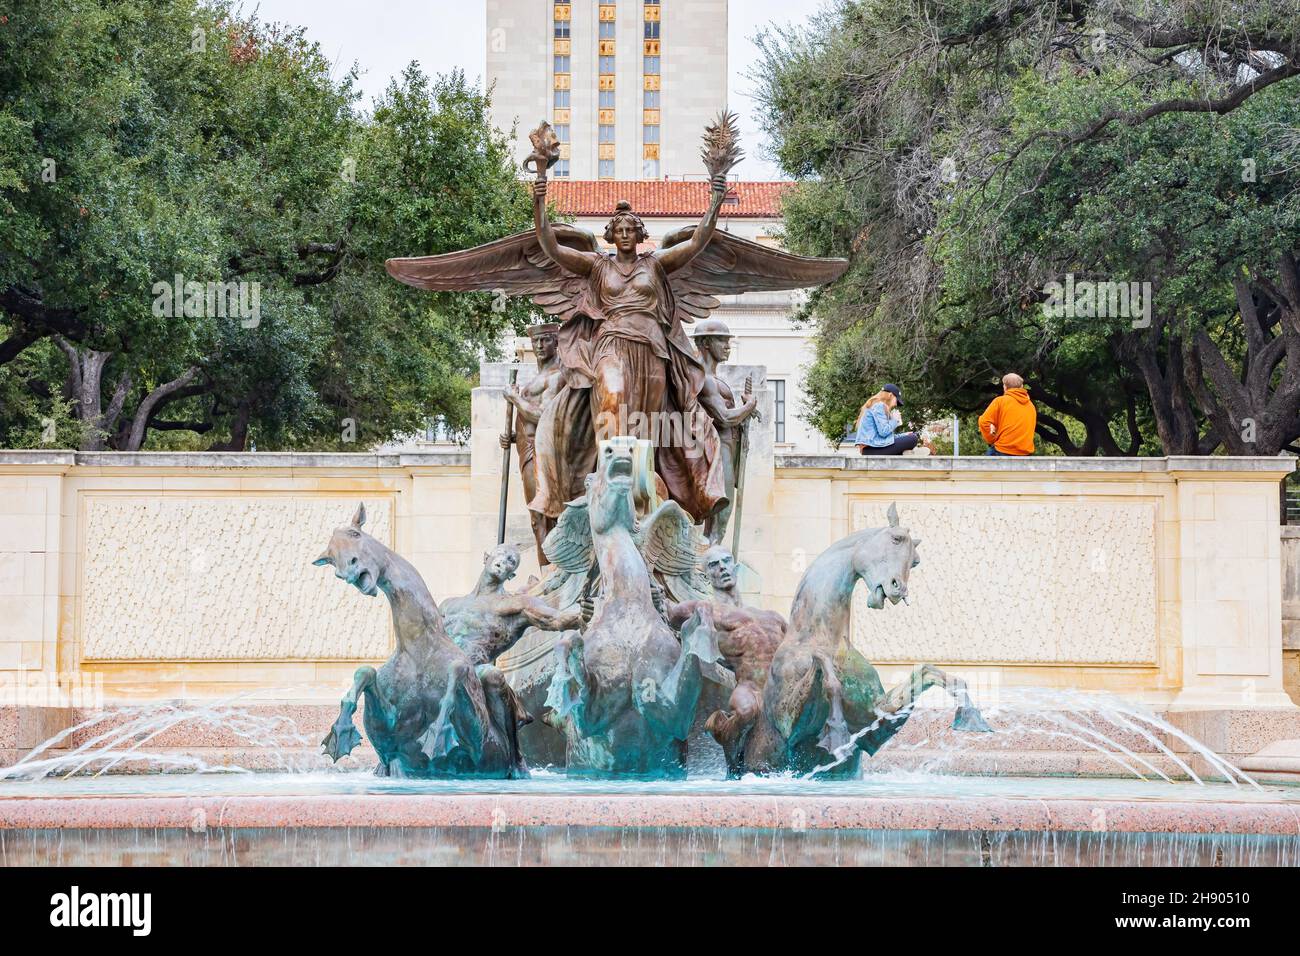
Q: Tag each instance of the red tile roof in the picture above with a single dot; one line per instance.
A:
(665, 198)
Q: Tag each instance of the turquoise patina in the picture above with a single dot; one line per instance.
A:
(426, 713)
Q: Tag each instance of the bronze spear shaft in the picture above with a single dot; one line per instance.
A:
(505, 464)
(546, 152)
(741, 453)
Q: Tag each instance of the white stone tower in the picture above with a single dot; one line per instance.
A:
(629, 85)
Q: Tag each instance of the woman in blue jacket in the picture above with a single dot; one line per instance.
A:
(877, 421)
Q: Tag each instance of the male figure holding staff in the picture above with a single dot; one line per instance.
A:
(529, 401)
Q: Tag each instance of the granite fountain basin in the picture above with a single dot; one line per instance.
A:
(896, 817)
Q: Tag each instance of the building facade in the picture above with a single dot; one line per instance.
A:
(628, 85)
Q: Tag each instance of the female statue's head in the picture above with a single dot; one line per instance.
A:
(626, 230)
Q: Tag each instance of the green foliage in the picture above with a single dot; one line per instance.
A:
(432, 177)
(950, 149)
(188, 140)
(33, 419)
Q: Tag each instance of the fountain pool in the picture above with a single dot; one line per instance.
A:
(174, 783)
(895, 817)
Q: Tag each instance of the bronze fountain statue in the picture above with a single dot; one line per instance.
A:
(426, 714)
(625, 690)
(627, 365)
(747, 639)
(824, 704)
(490, 620)
(731, 416)
(631, 448)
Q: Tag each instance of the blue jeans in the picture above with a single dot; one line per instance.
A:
(900, 444)
(998, 454)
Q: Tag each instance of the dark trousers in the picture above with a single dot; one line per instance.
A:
(901, 443)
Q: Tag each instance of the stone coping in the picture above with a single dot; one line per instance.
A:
(276, 460)
(653, 811)
(1278, 465)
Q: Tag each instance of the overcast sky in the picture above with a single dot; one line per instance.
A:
(382, 36)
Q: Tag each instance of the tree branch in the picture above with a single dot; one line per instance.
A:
(140, 424)
(22, 337)
(29, 307)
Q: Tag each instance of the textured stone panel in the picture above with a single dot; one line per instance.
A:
(1031, 581)
(225, 578)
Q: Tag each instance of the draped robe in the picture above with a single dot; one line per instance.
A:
(628, 319)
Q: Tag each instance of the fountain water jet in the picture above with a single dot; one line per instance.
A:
(124, 731)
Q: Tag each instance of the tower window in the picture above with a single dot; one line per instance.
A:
(778, 412)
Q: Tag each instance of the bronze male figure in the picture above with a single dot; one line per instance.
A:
(427, 713)
(747, 637)
(730, 415)
(529, 401)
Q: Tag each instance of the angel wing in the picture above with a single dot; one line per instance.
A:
(666, 539)
(730, 265)
(514, 265)
(568, 545)
(671, 546)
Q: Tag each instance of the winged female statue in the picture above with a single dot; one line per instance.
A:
(628, 366)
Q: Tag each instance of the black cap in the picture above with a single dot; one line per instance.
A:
(893, 390)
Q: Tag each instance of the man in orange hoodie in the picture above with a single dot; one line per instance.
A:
(1008, 423)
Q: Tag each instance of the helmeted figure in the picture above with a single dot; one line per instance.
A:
(529, 401)
(730, 414)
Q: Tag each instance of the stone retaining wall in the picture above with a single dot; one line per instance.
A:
(149, 576)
